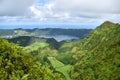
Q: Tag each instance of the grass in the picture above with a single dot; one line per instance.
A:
(60, 67)
(35, 46)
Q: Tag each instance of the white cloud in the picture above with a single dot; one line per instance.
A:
(15, 7)
(82, 9)
(37, 13)
(61, 10)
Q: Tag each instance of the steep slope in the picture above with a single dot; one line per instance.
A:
(40, 48)
(16, 64)
(60, 67)
(98, 56)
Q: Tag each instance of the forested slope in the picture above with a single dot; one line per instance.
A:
(16, 64)
(98, 57)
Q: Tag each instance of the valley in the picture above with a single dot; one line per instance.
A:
(61, 54)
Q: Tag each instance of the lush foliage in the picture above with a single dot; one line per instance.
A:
(16, 64)
(98, 57)
(60, 67)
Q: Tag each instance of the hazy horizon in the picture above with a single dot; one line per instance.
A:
(50, 14)
(32, 26)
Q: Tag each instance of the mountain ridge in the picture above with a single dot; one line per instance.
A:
(99, 54)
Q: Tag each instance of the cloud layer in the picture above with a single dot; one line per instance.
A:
(61, 10)
(80, 10)
(15, 7)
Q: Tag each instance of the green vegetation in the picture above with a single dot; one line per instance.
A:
(20, 32)
(35, 46)
(16, 64)
(27, 41)
(6, 32)
(96, 57)
(60, 67)
(48, 31)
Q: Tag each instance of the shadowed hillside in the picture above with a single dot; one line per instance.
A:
(28, 40)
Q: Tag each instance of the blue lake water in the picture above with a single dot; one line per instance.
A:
(59, 37)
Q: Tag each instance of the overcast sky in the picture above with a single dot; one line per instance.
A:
(87, 13)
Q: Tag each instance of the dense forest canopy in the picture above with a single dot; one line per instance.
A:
(98, 56)
(16, 64)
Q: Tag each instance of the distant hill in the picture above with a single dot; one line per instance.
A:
(23, 40)
(29, 40)
(9, 33)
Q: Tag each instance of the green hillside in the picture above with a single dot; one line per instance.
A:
(35, 46)
(60, 67)
(15, 64)
(98, 57)
(35, 42)
(24, 40)
(95, 57)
